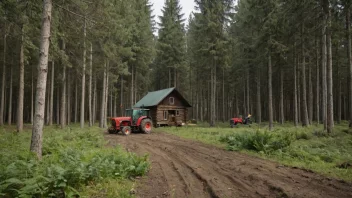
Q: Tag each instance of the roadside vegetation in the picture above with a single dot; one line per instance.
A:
(307, 147)
(75, 162)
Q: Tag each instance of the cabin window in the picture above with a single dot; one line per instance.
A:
(177, 113)
(165, 115)
(171, 100)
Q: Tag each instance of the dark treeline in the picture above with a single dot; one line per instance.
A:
(279, 60)
(100, 50)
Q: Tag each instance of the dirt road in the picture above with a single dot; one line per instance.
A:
(185, 168)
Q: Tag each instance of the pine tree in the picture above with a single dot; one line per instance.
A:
(213, 17)
(171, 45)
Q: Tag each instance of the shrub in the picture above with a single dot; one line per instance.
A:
(258, 141)
(303, 135)
(70, 160)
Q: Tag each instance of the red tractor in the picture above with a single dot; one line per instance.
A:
(135, 120)
(235, 121)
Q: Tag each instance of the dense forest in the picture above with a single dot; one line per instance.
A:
(279, 60)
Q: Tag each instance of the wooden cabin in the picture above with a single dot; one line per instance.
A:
(167, 107)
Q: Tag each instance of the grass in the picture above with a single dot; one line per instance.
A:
(75, 162)
(308, 148)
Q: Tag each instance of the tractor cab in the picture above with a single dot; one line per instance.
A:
(137, 113)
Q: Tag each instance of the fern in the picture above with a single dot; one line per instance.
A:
(71, 160)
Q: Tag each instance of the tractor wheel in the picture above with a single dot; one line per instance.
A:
(126, 130)
(146, 126)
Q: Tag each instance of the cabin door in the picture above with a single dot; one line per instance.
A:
(172, 117)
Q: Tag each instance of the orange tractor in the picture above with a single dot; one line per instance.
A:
(136, 120)
(235, 121)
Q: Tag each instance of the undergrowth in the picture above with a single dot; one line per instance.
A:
(258, 141)
(310, 148)
(75, 162)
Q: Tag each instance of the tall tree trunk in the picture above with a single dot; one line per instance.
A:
(94, 99)
(323, 72)
(192, 99)
(111, 100)
(259, 108)
(201, 105)
(299, 94)
(330, 98)
(6, 102)
(102, 112)
(305, 119)
(282, 116)
(295, 100)
(223, 96)
(63, 92)
(339, 90)
(2, 106)
(310, 95)
(132, 85)
(106, 94)
(76, 101)
(47, 99)
(345, 108)
(9, 116)
(115, 105)
(237, 108)
(32, 93)
(197, 106)
(21, 87)
(83, 75)
(217, 106)
(135, 86)
(52, 94)
(318, 83)
(270, 93)
(214, 97)
(68, 97)
(57, 106)
(212, 123)
(349, 56)
(244, 101)
(37, 131)
(212, 94)
(90, 86)
(121, 100)
(247, 91)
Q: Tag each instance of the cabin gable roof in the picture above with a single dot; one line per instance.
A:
(154, 98)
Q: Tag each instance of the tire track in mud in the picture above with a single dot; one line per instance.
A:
(186, 168)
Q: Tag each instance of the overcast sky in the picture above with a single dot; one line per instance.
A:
(187, 8)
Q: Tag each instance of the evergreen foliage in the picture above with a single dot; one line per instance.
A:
(170, 62)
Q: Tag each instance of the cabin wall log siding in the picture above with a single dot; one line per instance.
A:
(158, 114)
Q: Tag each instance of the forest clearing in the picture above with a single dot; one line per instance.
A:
(239, 98)
(189, 168)
(80, 162)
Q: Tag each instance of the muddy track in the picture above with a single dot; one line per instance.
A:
(185, 168)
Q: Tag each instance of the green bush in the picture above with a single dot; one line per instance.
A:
(70, 161)
(258, 141)
(303, 135)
